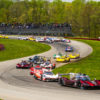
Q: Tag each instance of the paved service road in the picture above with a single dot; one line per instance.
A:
(17, 84)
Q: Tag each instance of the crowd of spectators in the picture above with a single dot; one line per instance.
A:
(34, 26)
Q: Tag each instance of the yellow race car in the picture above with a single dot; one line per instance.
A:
(4, 36)
(1, 36)
(63, 59)
(74, 56)
(31, 39)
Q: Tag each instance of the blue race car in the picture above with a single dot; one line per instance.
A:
(69, 49)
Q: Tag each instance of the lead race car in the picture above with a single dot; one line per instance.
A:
(78, 80)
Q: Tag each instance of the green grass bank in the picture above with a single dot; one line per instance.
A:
(20, 48)
(89, 65)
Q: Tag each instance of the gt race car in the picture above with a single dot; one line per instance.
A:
(78, 80)
(63, 59)
(74, 55)
(4, 36)
(31, 39)
(24, 64)
(69, 49)
(49, 76)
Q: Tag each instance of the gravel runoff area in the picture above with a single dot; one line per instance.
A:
(12, 92)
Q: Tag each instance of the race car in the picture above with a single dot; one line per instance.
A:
(31, 39)
(37, 59)
(40, 39)
(24, 64)
(69, 49)
(68, 41)
(48, 64)
(63, 59)
(49, 76)
(74, 55)
(33, 68)
(22, 38)
(38, 73)
(4, 36)
(78, 80)
(57, 55)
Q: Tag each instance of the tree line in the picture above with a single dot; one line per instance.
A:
(82, 15)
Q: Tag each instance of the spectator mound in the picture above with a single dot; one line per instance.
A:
(1, 47)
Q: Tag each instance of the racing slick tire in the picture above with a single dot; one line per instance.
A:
(61, 82)
(35, 77)
(41, 79)
(16, 67)
(80, 86)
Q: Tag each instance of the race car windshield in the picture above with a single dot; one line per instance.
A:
(38, 68)
(85, 78)
(49, 73)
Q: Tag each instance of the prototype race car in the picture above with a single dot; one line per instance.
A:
(38, 73)
(49, 76)
(63, 59)
(24, 64)
(69, 49)
(74, 56)
(33, 68)
(78, 80)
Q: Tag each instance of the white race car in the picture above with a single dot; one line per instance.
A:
(22, 38)
(49, 76)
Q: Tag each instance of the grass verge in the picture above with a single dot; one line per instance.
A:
(89, 65)
(20, 48)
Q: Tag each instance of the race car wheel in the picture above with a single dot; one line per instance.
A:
(16, 67)
(41, 79)
(63, 82)
(81, 87)
(35, 77)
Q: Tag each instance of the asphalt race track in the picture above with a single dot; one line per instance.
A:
(17, 84)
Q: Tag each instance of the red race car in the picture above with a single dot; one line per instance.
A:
(32, 69)
(24, 64)
(38, 73)
(78, 80)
